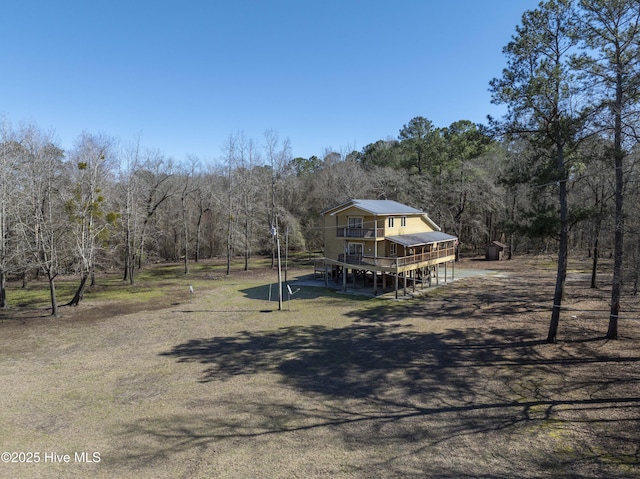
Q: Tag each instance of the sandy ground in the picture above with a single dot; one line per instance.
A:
(457, 382)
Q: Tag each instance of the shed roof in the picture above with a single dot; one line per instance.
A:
(420, 239)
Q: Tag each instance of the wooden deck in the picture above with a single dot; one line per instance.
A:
(404, 269)
(396, 264)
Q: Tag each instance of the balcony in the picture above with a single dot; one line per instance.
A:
(360, 232)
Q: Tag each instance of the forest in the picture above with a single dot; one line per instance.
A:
(556, 174)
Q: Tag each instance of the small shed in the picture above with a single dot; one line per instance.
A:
(495, 251)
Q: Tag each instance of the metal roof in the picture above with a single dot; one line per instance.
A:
(379, 207)
(419, 239)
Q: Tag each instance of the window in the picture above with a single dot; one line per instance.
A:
(390, 222)
(355, 222)
(393, 249)
(403, 221)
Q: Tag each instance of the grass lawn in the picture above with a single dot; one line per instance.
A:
(150, 381)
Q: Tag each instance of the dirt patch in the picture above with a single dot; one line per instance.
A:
(455, 383)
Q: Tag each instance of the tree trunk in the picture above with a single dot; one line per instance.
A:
(127, 262)
(594, 264)
(247, 243)
(559, 289)
(229, 247)
(185, 227)
(132, 268)
(52, 294)
(127, 256)
(596, 252)
(512, 216)
(561, 275)
(3, 290)
(80, 291)
(616, 289)
(198, 233)
(636, 269)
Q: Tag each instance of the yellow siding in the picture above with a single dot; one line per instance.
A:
(414, 224)
(335, 245)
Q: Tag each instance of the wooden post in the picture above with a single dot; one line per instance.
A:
(375, 283)
(344, 278)
(375, 241)
(397, 274)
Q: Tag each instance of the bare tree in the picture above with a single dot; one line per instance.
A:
(248, 158)
(9, 149)
(145, 185)
(128, 198)
(42, 229)
(91, 160)
(188, 187)
(201, 200)
(278, 155)
(230, 158)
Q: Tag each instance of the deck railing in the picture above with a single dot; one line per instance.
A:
(408, 260)
(360, 232)
(352, 259)
(390, 262)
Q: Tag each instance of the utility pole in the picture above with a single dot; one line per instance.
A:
(286, 253)
(274, 232)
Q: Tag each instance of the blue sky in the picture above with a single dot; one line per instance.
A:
(184, 76)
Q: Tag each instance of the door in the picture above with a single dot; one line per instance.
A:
(354, 252)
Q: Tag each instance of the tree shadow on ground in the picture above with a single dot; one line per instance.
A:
(270, 291)
(460, 385)
(383, 385)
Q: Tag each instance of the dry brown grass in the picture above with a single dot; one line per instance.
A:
(455, 383)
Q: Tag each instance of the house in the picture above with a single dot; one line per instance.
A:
(383, 241)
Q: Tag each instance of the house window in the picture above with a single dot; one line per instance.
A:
(355, 222)
(403, 221)
(393, 249)
(355, 249)
(390, 222)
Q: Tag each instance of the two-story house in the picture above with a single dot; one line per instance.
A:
(384, 240)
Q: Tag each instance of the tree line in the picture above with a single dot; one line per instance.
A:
(557, 173)
(572, 89)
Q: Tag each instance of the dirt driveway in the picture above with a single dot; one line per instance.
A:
(455, 383)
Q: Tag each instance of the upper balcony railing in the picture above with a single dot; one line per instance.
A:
(360, 232)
